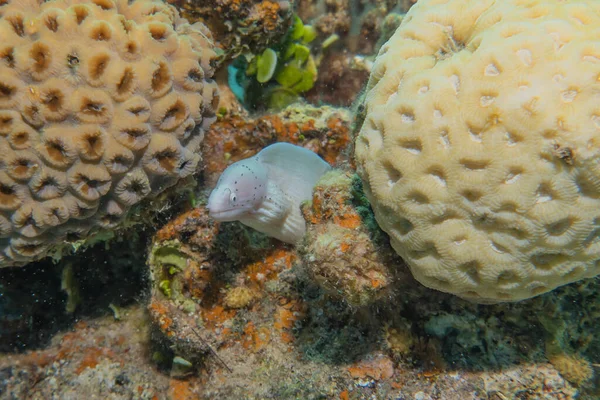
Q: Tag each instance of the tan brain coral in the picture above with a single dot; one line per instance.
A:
(102, 103)
(480, 147)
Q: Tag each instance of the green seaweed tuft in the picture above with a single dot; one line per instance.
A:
(165, 288)
(281, 74)
(166, 262)
(266, 64)
(170, 257)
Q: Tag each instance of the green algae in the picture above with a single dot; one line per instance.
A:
(265, 65)
(168, 255)
(70, 285)
(167, 261)
(280, 74)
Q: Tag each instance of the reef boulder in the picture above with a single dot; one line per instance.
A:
(102, 104)
(479, 149)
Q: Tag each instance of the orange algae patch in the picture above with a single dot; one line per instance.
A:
(269, 11)
(70, 344)
(196, 280)
(430, 374)
(340, 133)
(92, 357)
(332, 205)
(261, 271)
(217, 316)
(377, 283)
(344, 246)
(181, 390)
(287, 338)
(255, 339)
(79, 325)
(170, 231)
(40, 359)
(350, 220)
(308, 125)
(378, 367)
(316, 209)
(159, 313)
(396, 385)
(348, 263)
(285, 317)
(278, 125)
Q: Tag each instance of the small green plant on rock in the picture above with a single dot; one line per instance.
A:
(278, 76)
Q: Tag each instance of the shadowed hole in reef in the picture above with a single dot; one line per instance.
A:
(32, 305)
(336, 335)
(471, 194)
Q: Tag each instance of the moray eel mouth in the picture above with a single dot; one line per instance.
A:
(224, 214)
(219, 214)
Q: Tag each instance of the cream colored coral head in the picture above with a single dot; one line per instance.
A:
(102, 104)
(480, 150)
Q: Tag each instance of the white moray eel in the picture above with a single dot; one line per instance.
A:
(264, 192)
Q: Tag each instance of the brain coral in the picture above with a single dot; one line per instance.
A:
(102, 104)
(480, 145)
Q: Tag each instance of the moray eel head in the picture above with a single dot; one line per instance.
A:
(239, 191)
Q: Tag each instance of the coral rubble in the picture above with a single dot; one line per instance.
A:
(240, 26)
(358, 23)
(340, 79)
(239, 301)
(338, 249)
